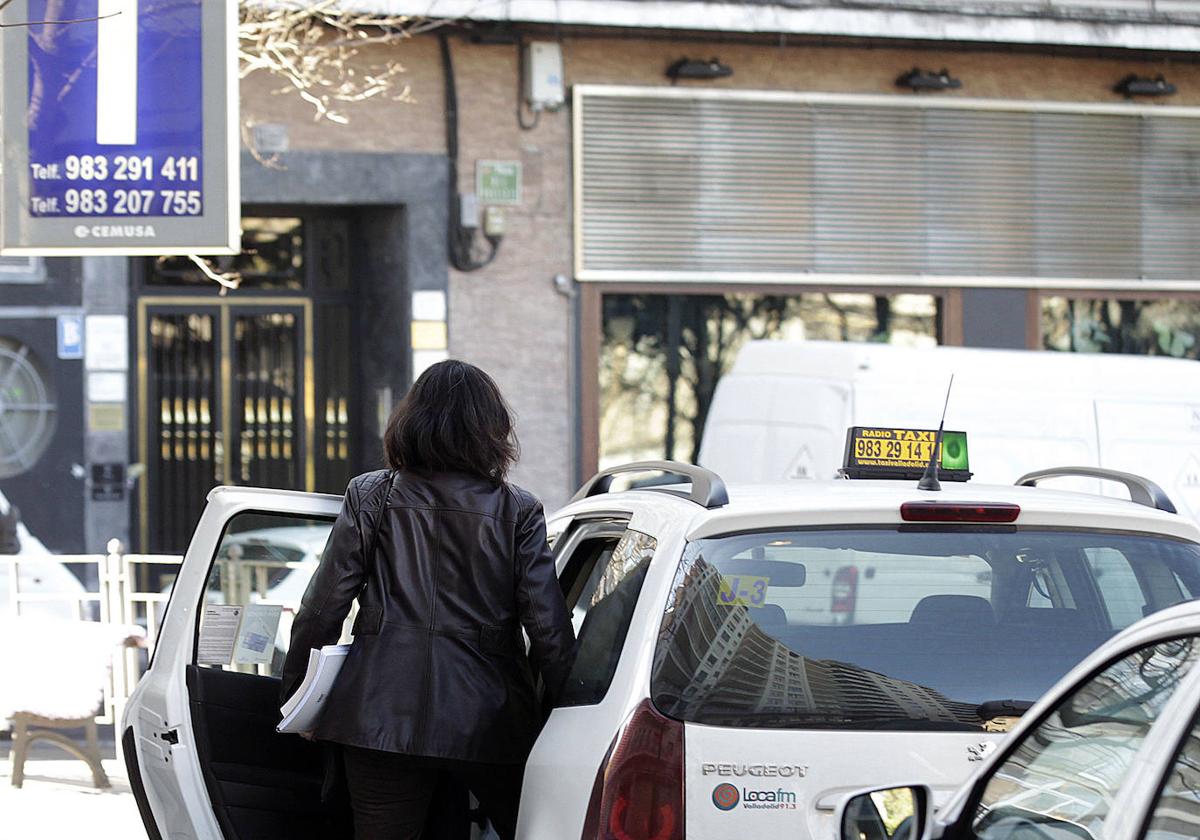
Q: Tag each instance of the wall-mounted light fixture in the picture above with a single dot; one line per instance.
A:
(1135, 85)
(918, 79)
(695, 68)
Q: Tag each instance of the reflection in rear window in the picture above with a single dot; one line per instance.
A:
(907, 629)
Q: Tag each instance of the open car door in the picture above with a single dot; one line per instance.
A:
(198, 734)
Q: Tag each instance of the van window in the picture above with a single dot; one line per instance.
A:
(602, 609)
(254, 587)
(897, 628)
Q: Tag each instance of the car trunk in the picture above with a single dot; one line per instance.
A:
(787, 783)
(796, 666)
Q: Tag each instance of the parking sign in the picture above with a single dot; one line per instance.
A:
(70, 336)
(119, 121)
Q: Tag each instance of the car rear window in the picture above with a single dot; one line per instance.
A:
(899, 628)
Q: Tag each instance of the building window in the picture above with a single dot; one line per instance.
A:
(662, 355)
(22, 270)
(272, 257)
(1158, 327)
(704, 184)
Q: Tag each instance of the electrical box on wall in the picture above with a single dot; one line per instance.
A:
(544, 89)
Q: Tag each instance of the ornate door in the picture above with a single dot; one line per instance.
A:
(226, 391)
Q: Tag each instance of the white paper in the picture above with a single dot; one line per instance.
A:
(429, 306)
(106, 386)
(302, 712)
(218, 632)
(107, 342)
(256, 637)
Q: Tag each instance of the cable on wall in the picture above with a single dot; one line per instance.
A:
(461, 225)
(522, 78)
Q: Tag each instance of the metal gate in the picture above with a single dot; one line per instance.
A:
(226, 396)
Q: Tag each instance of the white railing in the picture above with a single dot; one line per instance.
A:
(116, 601)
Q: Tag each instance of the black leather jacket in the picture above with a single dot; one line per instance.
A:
(438, 666)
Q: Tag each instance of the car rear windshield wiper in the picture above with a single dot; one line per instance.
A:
(1003, 708)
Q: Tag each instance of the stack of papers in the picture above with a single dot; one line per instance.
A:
(302, 711)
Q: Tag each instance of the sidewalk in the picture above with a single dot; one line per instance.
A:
(58, 799)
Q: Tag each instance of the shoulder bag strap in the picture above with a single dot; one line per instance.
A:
(373, 548)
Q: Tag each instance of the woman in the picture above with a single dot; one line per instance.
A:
(448, 562)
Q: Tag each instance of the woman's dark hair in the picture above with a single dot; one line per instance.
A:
(453, 418)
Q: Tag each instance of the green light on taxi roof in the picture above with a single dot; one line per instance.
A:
(954, 451)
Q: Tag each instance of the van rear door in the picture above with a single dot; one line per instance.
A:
(1160, 440)
(198, 733)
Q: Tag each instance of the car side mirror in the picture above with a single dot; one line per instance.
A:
(898, 813)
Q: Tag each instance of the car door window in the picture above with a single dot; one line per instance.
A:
(603, 606)
(1123, 599)
(587, 561)
(1062, 778)
(1176, 814)
(254, 587)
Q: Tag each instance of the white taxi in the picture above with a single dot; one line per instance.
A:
(746, 658)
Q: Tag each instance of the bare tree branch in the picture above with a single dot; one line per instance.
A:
(4, 4)
(227, 279)
(316, 48)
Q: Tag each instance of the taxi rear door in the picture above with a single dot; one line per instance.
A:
(198, 732)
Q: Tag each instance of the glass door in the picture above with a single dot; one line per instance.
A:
(267, 387)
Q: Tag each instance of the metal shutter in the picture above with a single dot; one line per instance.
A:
(717, 185)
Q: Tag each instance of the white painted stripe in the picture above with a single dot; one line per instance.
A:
(117, 73)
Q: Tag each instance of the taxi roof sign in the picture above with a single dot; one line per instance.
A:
(892, 453)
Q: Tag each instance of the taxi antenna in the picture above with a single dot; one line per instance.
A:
(929, 480)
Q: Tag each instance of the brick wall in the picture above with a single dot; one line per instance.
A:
(507, 317)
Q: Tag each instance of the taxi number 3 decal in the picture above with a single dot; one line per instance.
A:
(743, 591)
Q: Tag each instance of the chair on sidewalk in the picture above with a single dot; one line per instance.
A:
(52, 676)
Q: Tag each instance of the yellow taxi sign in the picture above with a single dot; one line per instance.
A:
(883, 452)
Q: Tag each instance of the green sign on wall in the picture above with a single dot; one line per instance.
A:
(498, 181)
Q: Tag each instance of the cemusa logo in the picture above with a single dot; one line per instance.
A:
(113, 231)
(727, 797)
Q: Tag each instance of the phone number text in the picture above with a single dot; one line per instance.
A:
(118, 168)
(97, 202)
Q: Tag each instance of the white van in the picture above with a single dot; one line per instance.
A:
(783, 411)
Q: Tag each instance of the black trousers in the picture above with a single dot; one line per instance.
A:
(404, 797)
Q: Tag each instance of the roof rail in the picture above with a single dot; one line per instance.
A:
(708, 490)
(1143, 491)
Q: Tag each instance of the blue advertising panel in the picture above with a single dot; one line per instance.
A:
(118, 119)
(150, 162)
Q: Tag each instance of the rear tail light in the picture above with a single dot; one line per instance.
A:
(638, 793)
(845, 590)
(990, 512)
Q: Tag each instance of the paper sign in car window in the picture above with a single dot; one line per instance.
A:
(218, 632)
(743, 591)
(256, 638)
